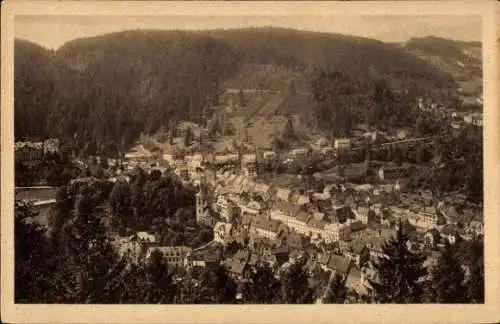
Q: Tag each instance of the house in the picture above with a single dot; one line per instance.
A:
(144, 237)
(298, 153)
(357, 229)
(336, 231)
(269, 156)
(365, 214)
(316, 226)
(431, 237)
(476, 227)
(302, 200)
(226, 160)
(28, 153)
(206, 256)
(391, 173)
(283, 194)
(194, 162)
(359, 253)
(264, 227)
(222, 231)
(138, 153)
(335, 263)
(249, 164)
(237, 265)
(450, 232)
(226, 208)
(429, 216)
(175, 256)
(262, 190)
(341, 144)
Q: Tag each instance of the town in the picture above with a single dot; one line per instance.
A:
(324, 204)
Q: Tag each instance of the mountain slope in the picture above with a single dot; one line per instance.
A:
(105, 90)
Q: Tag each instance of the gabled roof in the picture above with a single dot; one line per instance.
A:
(303, 216)
(263, 223)
(239, 261)
(450, 229)
(339, 263)
(288, 208)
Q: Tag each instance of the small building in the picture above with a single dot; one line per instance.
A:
(249, 164)
(342, 144)
(450, 232)
(283, 194)
(298, 153)
(431, 237)
(391, 173)
(238, 264)
(269, 156)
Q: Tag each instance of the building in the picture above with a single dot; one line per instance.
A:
(28, 153)
(222, 231)
(206, 256)
(365, 215)
(226, 208)
(429, 217)
(431, 237)
(238, 264)
(450, 233)
(175, 256)
(336, 232)
(202, 213)
(298, 153)
(283, 194)
(285, 212)
(269, 156)
(342, 144)
(391, 173)
(194, 162)
(249, 164)
(263, 227)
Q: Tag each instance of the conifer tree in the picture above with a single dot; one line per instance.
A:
(263, 287)
(337, 291)
(447, 278)
(475, 280)
(295, 287)
(399, 271)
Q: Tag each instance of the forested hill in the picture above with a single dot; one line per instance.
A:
(101, 92)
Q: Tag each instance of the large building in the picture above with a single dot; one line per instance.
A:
(175, 256)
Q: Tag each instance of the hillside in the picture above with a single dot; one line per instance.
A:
(462, 60)
(100, 93)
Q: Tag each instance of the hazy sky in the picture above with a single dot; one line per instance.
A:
(53, 31)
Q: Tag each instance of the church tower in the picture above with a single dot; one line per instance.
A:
(202, 213)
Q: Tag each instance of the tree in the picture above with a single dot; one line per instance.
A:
(160, 286)
(33, 281)
(399, 271)
(336, 291)
(475, 281)
(447, 278)
(263, 287)
(120, 201)
(288, 134)
(295, 285)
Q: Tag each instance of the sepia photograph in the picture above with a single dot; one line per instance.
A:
(228, 159)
